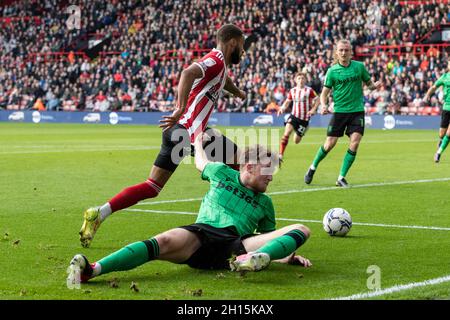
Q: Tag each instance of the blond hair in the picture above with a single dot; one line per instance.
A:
(258, 154)
(335, 56)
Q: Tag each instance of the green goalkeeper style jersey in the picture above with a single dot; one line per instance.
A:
(229, 203)
(444, 80)
(346, 83)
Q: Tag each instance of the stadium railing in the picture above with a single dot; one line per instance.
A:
(399, 50)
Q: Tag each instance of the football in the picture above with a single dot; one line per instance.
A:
(337, 222)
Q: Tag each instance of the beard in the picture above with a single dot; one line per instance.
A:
(235, 56)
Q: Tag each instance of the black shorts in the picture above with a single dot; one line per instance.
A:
(445, 118)
(346, 122)
(300, 126)
(176, 145)
(217, 246)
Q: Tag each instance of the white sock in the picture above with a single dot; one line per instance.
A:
(340, 177)
(312, 167)
(105, 211)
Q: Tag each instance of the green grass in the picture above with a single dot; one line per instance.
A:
(50, 173)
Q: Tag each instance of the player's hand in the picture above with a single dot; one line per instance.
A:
(242, 95)
(299, 261)
(324, 110)
(169, 121)
(280, 112)
(311, 112)
(377, 85)
(425, 99)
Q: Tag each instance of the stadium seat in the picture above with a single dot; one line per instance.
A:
(435, 111)
(412, 110)
(373, 110)
(404, 110)
(426, 111)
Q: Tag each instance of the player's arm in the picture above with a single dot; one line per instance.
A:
(284, 106)
(429, 93)
(200, 156)
(187, 79)
(373, 85)
(315, 105)
(324, 99)
(233, 89)
(295, 260)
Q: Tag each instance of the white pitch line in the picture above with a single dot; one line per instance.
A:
(395, 289)
(373, 141)
(140, 148)
(169, 201)
(162, 211)
(367, 185)
(305, 220)
(92, 149)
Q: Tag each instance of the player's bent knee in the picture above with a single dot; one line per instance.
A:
(304, 229)
(164, 240)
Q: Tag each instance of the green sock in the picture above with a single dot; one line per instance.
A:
(347, 163)
(320, 155)
(283, 246)
(131, 256)
(444, 144)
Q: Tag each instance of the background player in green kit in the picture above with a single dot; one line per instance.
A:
(235, 227)
(345, 78)
(444, 131)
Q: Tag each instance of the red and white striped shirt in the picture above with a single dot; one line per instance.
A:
(204, 93)
(301, 101)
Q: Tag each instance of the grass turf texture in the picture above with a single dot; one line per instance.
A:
(50, 173)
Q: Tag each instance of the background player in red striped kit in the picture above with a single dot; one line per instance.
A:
(199, 87)
(304, 104)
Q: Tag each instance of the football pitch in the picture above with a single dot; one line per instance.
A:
(398, 248)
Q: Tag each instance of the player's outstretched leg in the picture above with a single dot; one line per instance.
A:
(128, 197)
(127, 258)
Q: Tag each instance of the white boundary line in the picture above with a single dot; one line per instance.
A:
(84, 149)
(380, 184)
(395, 289)
(305, 220)
(142, 148)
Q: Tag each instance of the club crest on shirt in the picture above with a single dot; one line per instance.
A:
(209, 62)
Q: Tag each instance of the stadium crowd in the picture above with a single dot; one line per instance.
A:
(153, 40)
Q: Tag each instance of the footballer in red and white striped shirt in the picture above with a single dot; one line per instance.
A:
(204, 93)
(198, 90)
(304, 104)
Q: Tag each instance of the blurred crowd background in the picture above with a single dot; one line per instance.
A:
(149, 42)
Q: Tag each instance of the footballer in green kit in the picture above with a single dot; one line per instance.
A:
(345, 78)
(235, 227)
(444, 131)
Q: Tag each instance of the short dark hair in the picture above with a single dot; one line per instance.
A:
(228, 32)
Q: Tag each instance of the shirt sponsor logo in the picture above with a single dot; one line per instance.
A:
(238, 193)
(348, 80)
